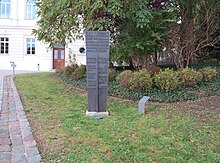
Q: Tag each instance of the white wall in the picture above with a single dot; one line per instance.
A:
(18, 53)
(73, 48)
(18, 29)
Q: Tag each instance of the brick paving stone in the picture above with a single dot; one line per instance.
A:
(3, 118)
(4, 129)
(20, 159)
(13, 118)
(17, 140)
(26, 129)
(5, 141)
(4, 135)
(15, 131)
(30, 143)
(5, 161)
(14, 124)
(20, 113)
(4, 113)
(22, 117)
(18, 150)
(28, 138)
(23, 121)
(32, 151)
(23, 125)
(26, 135)
(5, 156)
(34, 159)
(3, 123)
(5, 148)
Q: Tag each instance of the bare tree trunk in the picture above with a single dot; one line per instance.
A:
(195, 34)
(186, 33)
(131, 66)
(155, 56)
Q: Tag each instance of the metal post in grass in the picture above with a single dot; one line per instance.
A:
(141, 104)
(97, 58)
(13, 65)
(38, 67)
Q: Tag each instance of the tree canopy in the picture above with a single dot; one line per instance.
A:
(138, 27)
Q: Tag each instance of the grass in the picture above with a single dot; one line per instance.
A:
(64, 134)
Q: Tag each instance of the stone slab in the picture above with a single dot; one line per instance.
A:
(97, 58)
(141, 104)
(97, 114)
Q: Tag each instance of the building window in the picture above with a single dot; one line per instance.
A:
(4, 44)
(30, 46)
(5, 7)
(62, 54)
(31, 9)
(82, 50)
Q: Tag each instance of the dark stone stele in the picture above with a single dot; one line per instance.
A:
(97, 57)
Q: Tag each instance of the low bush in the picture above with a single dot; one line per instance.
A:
(140, 81)
(112, 74)
(181, 93)
(189, 76)
(78, 83)
(69, 69)
(211, 87)
(153, 69)
(156, 94)
(167, 80)
(124, 77)
(208, 73)
(79, 73)
(60, 70)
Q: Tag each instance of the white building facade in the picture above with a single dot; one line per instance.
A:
(17, 44)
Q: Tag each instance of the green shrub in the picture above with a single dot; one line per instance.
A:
(79, 73)
(153, 69)
(69, 69)
(124, 77)
(167, 79)
(60, 70)
(140, 81)
(208, 73)
(189, 77)
(112, 74)
(156, 94)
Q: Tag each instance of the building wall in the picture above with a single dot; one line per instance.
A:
(17, 28)
(18, 51)
(73, 50)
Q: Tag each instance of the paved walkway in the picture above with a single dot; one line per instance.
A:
(17, 144)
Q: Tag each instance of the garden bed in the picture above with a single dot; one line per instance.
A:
(181, 93)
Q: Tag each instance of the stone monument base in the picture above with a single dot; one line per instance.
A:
(97, 114)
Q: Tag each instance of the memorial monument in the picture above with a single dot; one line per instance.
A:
(97, 58)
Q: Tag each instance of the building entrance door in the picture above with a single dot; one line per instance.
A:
(58, 57)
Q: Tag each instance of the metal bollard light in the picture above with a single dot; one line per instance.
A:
(38, 67)
(13, 65)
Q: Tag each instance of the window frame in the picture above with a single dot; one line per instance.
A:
(31, 10)
(30, 43)
(5, 42)
(6, 12)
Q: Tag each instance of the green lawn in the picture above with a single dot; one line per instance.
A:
(64, 134)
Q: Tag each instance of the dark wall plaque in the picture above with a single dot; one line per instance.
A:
(97, 57)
